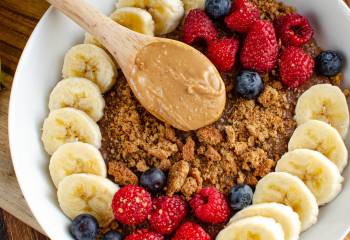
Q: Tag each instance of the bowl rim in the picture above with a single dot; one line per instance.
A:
(10, 114)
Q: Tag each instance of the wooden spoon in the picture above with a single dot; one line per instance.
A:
(172, 80)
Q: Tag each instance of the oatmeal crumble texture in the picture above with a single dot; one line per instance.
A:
(122, 174)
(241, 147)
(177, 177)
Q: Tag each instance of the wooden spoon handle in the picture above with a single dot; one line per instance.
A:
(84, 15)
(120, 41)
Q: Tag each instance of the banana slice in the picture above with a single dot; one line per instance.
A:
(282, 214)
(78, 157)
(319, 174)
(79, 93)
(287, 189)
(90, 39)
(166, 14)
(91, 62)
(261, 228)
(326, 103)
(193, 4)
(89, 194)
(136, 19)
(69, 125)
(322, 137)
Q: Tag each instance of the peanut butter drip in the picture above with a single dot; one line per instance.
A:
(179, 85)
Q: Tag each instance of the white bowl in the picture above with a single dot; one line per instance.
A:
(40, 69)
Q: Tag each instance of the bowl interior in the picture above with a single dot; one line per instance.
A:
(40, 69)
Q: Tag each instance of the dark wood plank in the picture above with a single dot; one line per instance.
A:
(17, 230)
(3, 230)
(32, 9)
(18, 19)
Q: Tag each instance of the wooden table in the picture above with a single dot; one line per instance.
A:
(17, 20)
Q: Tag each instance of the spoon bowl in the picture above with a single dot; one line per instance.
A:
(173, 81)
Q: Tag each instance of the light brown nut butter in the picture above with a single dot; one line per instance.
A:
(178, 85)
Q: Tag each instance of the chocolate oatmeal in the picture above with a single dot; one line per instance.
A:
(241, 147)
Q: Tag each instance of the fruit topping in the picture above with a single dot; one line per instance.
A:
(329, 63)
(296, 66)
(240, 196)
(281, 213)
(294, 30)
(76, 157)
(243, 15)
(79, 93)
(112, 235)
(153, 180)
(84, 227)
(321, 137)
(262, 228)
(319, 174)
(210, 206)
(144, 234)
(324, 102)
(166, 14)
(217, 9)
(260, 48)
(84, 193)
(69, 120)
(198, 26)
(167, 213)
(131, 205)
(193, 4)
(249, 84)
(280, 187)
(91, 62)
(190, 231)
(222, 53)
(134, 18)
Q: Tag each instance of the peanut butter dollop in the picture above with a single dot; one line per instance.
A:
(179, 85)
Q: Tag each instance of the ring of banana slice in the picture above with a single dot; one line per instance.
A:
(70, 133)
(285, 202)
(166, 14)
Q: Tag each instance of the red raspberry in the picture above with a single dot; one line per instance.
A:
(144, 234)
(198, 26)
(243, 15)
(190, 231)
(131, 205)
(222, 52)
(260, 48)
(295, 66)
(167, 213)
(210, 206)
(294, 30)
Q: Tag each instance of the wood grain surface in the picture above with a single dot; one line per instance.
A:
(17, 20)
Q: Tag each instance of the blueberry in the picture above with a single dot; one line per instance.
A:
(329, 63)
(153, 180)
(217, 9)
(249, 84)
(240, 196)
(84, 227)
(112, 235)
